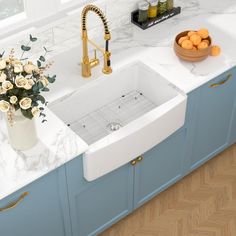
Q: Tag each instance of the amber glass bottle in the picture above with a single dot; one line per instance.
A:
(153, 8)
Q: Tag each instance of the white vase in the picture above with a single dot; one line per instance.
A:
(22, 132)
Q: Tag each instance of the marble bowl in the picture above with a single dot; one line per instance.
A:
(190, 55)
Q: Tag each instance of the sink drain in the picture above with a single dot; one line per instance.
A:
(114, 126)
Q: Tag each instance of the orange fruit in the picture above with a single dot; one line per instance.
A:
(215, 50)
(182, 39)
(194, 48)
(187, 44)
(195, 39)
(202, 45)
(207, 41)
(203, 33)
(190, 33)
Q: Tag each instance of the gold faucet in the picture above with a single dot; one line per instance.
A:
(87, 64)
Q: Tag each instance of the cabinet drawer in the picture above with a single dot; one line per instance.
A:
(34, 210)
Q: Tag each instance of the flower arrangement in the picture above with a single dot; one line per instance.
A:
(22, 81)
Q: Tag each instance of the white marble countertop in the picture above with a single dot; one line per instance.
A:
(154, 45)
(57, 144)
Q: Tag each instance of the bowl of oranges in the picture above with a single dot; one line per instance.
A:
(195, 45)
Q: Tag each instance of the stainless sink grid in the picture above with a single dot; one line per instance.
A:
(123, 110)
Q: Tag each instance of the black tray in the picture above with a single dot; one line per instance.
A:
(156, 20)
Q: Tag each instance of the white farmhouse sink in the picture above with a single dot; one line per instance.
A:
(122, 115)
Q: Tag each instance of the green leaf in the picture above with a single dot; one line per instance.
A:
(27, 113)
(33, 39)
(35, 88)
(35, 104)
(2, 54)
(42, 114)
(51, 79)
(40, 85)
(25, 48)
(41, 99)
(45, 89)
(39, 63)
(42, 58)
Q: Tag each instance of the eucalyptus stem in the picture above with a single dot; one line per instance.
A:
(23, 52)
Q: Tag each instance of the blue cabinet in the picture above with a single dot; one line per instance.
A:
(232, 138)
(42, 209)
(212, 121)
(94, 206)
(159, 168)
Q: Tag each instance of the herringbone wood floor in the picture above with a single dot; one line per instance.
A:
(201, 204)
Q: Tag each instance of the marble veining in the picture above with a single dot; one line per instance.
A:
(60, 144)
(57, 144)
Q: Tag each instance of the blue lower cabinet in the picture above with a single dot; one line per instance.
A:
(39, 209)
(96, 205)
(232, 138)
(159, 168)
(212, 124)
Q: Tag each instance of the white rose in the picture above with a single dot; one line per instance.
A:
(4, 106)
(13, 99)
(15, 62)
(3, 64)
(29, 84)
(35, 111)
(7, 85)
(25, 103)
(44, 81)
(2, 77)
(2, 90)
(29, 68)
(18, 68)
(21, 82)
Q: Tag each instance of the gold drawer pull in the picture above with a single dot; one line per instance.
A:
(229, 76)
(14, 203)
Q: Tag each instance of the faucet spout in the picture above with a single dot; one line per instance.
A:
(87, 64)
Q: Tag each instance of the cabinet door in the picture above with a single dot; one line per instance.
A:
(160, 167)
(41, 212)
(233, 128)
(96, 205)
(214, 116)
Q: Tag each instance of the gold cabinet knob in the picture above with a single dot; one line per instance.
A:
(133, 163)
(140, 158)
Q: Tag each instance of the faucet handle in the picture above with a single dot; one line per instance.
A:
(95, 61)
(95, 53)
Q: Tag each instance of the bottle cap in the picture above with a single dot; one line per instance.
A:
(143, 5)
(153, 3)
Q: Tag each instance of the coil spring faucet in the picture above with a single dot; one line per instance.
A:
(87, 64)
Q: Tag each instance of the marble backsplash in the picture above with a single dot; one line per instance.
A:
(64, 34)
